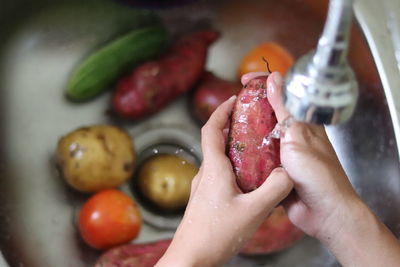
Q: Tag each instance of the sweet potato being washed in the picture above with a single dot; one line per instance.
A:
(210, 93)
(151, 86)
(252, 153)
(134, 255)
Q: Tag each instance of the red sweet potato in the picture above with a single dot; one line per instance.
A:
(275, 234)
(151, 86)
(252, 154)
(210, 93)
(134, 255)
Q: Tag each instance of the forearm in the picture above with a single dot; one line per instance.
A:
(363, 240)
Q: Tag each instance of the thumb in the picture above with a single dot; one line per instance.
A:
(275, 188)
(275, 97)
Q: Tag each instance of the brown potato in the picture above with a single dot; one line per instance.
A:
(97, 157)
(165, 180)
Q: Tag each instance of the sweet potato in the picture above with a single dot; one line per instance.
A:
(151, 86)
(134, 255)
(275, 234)
(252, 153)
(210, 93)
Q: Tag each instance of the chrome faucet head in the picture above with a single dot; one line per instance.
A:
(321, 96)
(321, 87)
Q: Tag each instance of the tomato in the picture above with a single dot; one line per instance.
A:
(279, 59)
(109, 218)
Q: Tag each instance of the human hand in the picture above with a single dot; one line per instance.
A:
(219, 218)
(323, 203)
(322, 188)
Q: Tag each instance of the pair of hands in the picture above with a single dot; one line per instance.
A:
(312, 186)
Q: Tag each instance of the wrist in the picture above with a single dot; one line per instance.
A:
(347, 220)
(170, 258)
(182, 254)
(355, 236)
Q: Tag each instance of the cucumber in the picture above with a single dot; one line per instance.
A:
(101, 69)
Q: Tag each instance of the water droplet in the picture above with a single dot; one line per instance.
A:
(183, 162)
(178, 151)
(155, 150)
(191, 150)
(78, 154)
(266, 140)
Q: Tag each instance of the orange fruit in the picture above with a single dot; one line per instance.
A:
(279, 59)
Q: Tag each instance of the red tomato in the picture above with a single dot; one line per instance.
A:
(109, 218)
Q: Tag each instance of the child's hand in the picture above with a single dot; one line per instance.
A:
(323, 203)
(219, 218)
(321, 186)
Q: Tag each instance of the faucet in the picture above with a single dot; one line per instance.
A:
(321, 87)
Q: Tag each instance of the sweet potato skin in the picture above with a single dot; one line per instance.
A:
(252, 153)
(210, 93)
(152, 85)
(275, 234)
(134, 255)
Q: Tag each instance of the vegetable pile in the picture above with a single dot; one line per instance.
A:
(147, 73)
(153, 85)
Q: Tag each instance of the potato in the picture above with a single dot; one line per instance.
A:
(165, 180)
(97, 157)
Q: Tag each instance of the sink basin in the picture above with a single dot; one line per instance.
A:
(42, 41)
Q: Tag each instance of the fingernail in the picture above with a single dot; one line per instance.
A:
(277, 79)
(232, 98)
(244, 79)
(271, 87)
(274, 83)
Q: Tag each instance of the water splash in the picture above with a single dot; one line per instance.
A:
(280, 129)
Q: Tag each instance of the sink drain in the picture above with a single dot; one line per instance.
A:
(162, 141)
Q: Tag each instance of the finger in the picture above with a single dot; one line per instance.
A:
(295, 208)
(225, 132)
(275, 188)
(275, 98)
(290, 200)
(212, 138)
(251, 75)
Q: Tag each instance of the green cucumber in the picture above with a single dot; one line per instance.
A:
(101, 69)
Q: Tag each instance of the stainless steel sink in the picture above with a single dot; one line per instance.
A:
(43, 40)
